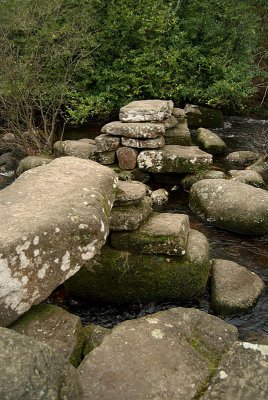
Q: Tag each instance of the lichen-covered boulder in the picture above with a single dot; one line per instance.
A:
(138, 130)
(61, 213)
(31, 370)
(162, 233)
(32, 162)
(198, 116)
(170, 355)
(234, 289)
(174, 158)
(146, 111)
(123, 277)
(188, 181)
(74, 148)
(240, 159)
(209, 141)
(248, 176)
(231, 205)
(53, 325)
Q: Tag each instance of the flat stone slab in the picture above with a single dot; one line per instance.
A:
(174, 158)
(231, 205)
(106, 143)
(163, 233)
(53, 325)
(156, 143)
(210, 142)
(167, 356)
(137, 130)
(129, 193)
(129, 217)
(61, 213)
(74, 148)
(120, 277)
(146, 111)
(234, 289)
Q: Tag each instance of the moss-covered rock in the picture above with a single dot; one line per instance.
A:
(209, 141)
(122, 277)
(93, 337)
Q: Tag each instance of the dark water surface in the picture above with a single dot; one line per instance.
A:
(251, 252)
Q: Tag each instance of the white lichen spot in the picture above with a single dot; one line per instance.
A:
(25, 246)
(72, 272)
(102, 229)
(42, 272)
(36, 240)
(56, 260)
(183, 252)
(65, 262)
(45, 233)
(223, 375)
(152, 320)
(157, 334)
(88, 251)
(57, 230)
(36, 252)
(169, 325)
(83, 226)
(257, 347)
(24, 260)
(193, 160)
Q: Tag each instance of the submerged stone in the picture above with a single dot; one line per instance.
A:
(122, 277)
(138, 130)
(163, 233)
(146, 110)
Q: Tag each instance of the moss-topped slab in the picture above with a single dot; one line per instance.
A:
(129, 217)
(123, 277)
(129, 193)
(52, 325)
(174, 158)
(163, 233)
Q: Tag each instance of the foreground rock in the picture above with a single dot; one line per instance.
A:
(122, 277)
(210, 142)
(61, 212)
(52, 325)
(231, 205)
(234, 289)
(174, 158)
(146, 111)
(169, 356)
(31, 370)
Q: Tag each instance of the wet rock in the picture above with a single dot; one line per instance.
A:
(61, 212)
(93, 337)
(127, 158)
(198, 116)
(105, 158)
(129, 217)
(129, 193)
(32, 370)
(8, 162)
(146, 110)
(163, 233)
(180, 159)
(156, 143)
(52, 325)
(210, 142)
(32, 162)
(188, 181)
(169, 356)
(241, 375)
(106, 143)
(74, 148)
(234, 289)
(137, 130)
(260, 166)
(247, 176)
(240, 159)
(231, 205)
(170, 122)
(123, 277)
(159, 197)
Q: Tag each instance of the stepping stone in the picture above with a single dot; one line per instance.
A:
(240, 159)
(234, 289)
(137, 130)
(106, 143)
(161, 234)
(172, 158)
(129, 218)
(146, 110)
(129, 193)
(210, 142)
(144, 143)
(250, 177)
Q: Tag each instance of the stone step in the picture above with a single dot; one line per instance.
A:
(129, 193)
(146, 110)
(163, 233)
(137, 130)
(174, 158)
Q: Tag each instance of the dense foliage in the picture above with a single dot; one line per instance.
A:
(74, 60)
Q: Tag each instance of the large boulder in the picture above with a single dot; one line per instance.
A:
(122, 277)
(146, 111)
(174, 158)
(231, 205)
(169, 356)
(209, 141)
(30, 370)
(60, 212)
(234, 289)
